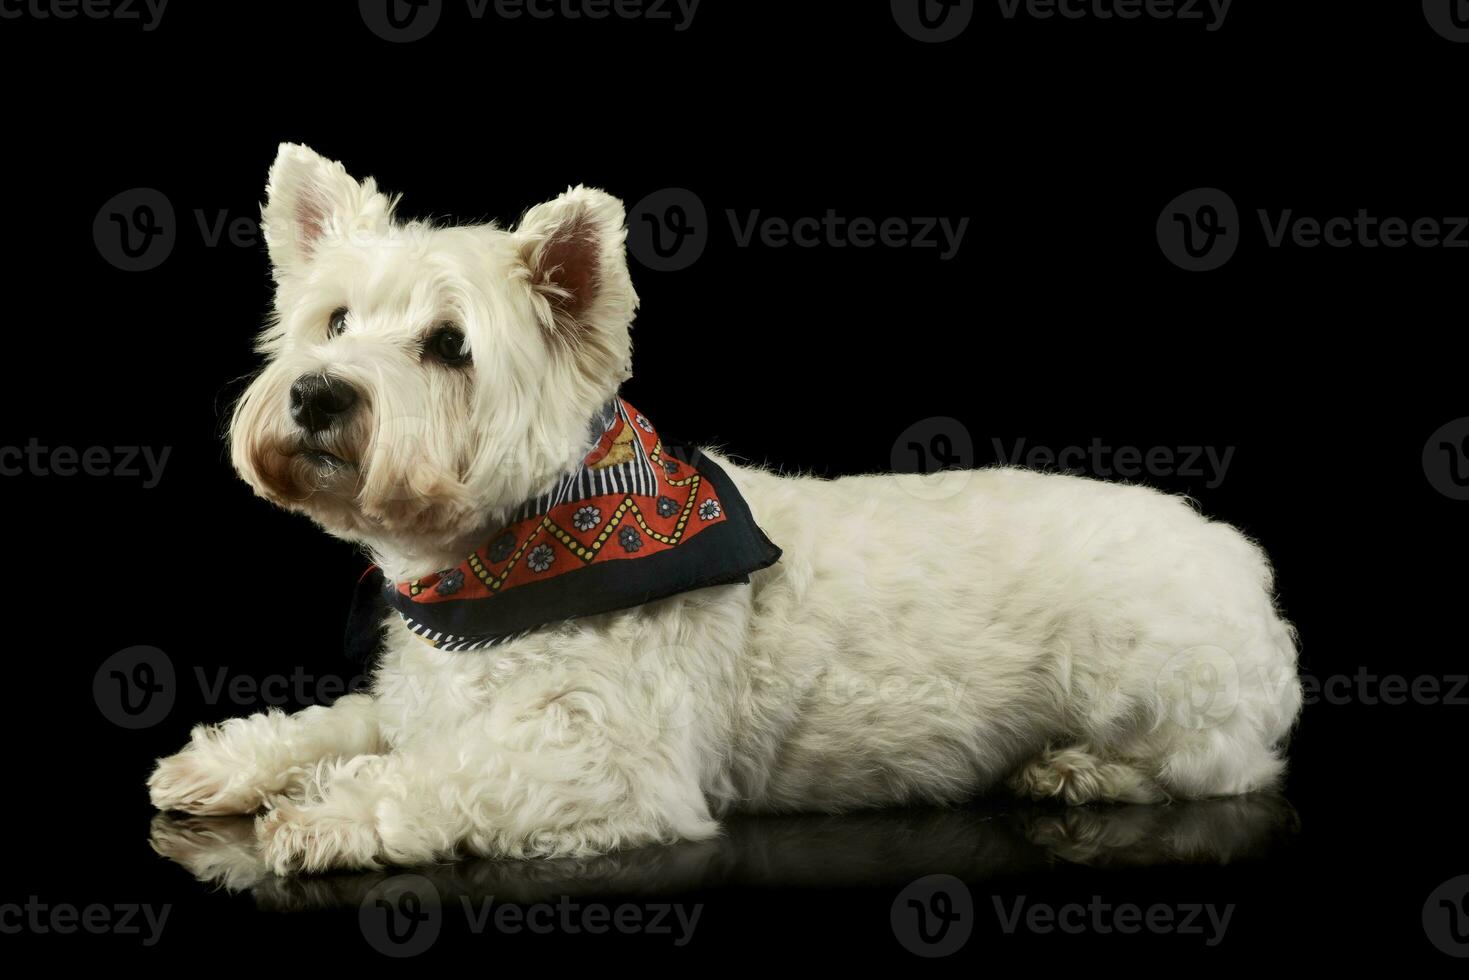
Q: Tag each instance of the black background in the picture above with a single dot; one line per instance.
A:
(1059, 321)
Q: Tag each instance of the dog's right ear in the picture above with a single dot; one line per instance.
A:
(311, 201)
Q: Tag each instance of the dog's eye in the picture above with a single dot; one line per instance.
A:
(447, 344)
(338, 323)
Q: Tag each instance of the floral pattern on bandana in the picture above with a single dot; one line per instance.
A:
(541, 558)
(502, 547)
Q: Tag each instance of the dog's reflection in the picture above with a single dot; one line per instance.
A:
(876, 848)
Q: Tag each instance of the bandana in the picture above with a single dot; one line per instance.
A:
(638, 520)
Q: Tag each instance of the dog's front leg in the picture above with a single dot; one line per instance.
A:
(546, 786)
(233, 767)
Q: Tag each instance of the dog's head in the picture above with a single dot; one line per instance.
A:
(422, 379)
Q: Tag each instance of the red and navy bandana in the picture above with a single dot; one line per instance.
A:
(639, 520)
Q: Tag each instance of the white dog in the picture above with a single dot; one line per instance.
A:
(921, 639)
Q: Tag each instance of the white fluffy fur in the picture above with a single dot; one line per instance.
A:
(923, 639)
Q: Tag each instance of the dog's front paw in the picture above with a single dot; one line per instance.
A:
(297, 838)
(191, 782)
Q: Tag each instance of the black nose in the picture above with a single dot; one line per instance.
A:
(317, 401)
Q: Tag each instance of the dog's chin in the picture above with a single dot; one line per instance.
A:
(318, 471)
(420, 521)
(340, 495)
(420, 510)
(301, 476)
(325, 487)
(324, 463)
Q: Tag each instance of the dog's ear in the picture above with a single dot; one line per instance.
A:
(575, 261)
(309, 200)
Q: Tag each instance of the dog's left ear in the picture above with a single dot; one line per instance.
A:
(575, 261)
(310, 200)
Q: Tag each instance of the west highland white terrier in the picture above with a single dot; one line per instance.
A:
(587, 641)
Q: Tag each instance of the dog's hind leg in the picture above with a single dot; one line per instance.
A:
(1076, 774)
(233, 767)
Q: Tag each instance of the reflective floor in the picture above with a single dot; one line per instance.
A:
(878, 848)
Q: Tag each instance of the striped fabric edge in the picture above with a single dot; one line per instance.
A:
(635, 477)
